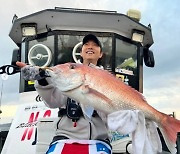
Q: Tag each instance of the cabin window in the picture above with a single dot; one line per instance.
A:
(66, 44)
(41, 51)
(107, 52)
(126, 58)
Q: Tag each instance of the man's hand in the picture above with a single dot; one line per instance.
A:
(20, 64)
(30, 72)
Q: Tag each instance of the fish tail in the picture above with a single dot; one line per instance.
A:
(169, 129)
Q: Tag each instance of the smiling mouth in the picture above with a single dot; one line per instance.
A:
(90, 52)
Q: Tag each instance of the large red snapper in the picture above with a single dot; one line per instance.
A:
(100, 89)
(104, 92)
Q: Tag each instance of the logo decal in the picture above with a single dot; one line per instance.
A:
(31, 124)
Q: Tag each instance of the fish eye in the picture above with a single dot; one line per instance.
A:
(72, 66)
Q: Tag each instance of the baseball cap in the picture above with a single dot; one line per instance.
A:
(92, 38)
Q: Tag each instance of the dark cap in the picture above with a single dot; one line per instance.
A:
(92, 38)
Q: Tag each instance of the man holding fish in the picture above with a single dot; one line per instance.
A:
(79, 122)
(87, 97)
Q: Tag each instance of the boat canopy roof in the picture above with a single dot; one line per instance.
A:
(81, 20)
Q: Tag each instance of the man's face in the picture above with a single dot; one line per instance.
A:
(91, 51)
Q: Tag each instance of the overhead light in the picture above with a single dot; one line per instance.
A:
(138, 35)
(134, 14)
(29, 29)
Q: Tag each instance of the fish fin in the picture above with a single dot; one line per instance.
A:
(169, 129)
(87, 90)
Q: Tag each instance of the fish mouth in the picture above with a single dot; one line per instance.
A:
(44, 71)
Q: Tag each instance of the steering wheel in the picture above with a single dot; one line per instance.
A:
(40, 55)
(75, 53)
